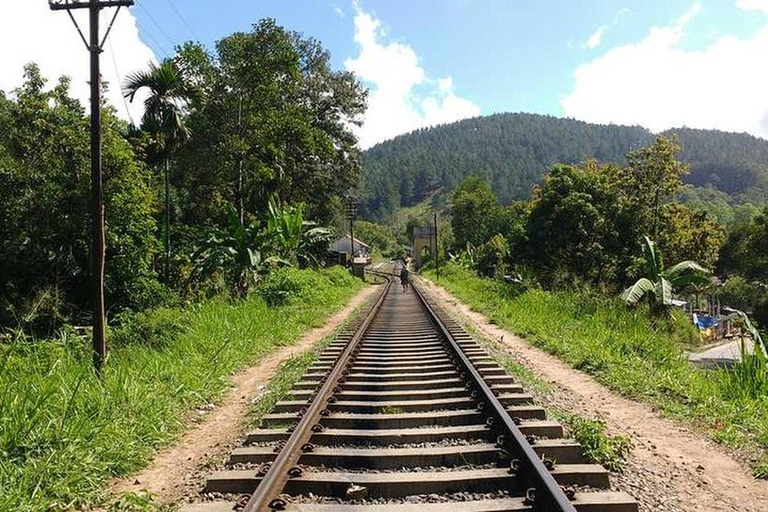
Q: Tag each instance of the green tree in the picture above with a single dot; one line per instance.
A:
(653, 177)
(745, 251)
(276, 120)
(572, 227)
(44, 209)
(475, 212)
(164, 119)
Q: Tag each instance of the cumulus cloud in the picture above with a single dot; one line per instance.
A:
(31, 32)
(402, 98)
(659, 84)
(753, 5)
(595, 39)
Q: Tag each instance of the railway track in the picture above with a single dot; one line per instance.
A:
(406, 412)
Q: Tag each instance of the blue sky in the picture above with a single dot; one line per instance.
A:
(652, 62)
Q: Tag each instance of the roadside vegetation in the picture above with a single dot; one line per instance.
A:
(64, 431)
(631, 354)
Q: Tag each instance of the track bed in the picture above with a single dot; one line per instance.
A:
(408, 413)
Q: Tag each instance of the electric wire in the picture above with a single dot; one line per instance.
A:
(153, 20)
(183, 20)
(117, 73)
(154, 41)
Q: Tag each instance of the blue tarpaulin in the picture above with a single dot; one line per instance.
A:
(705, 322)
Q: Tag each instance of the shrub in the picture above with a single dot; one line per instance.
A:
(288, 285)
(600, 447)
(155, 328)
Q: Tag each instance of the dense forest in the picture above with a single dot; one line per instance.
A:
(513, 151)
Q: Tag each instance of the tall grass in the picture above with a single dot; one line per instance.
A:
(633, 355)
(63, 430)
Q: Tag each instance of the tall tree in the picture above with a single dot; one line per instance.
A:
(653, 176)
(475, 210)
(276, 120)
(573, 224)
(44, 257)
(164, 119)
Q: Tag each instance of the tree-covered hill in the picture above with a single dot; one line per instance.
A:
(513, 151)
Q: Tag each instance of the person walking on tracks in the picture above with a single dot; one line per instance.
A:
(404, 276)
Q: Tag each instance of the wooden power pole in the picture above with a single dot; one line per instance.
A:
(95, 45)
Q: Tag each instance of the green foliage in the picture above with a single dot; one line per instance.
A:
(142, 501)
(600, 447)
(630, 354)
(153, 327)
(492, 255)
(65, 431)
(659, 284)
(290, 285)
(241, 255)
(583, 223)
(573, 227)
(163, 107)
(274, 119)
(746, 250)
(379, 237)
(475, 210)
(45, 214)
(512, 152)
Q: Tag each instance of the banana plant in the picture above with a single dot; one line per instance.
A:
(236, 254)
(659, 284)
(293, 237)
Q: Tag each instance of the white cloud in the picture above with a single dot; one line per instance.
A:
(393, 73)
(595, 39)
(31, 32)
(658, 84)
(753, 5)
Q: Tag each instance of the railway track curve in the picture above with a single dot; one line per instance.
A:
(406, 412)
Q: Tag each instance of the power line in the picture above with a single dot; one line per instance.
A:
(154, 41)
(117, 73)
(184, 21)
(153, 20)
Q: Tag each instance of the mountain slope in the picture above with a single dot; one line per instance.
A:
(513, 151)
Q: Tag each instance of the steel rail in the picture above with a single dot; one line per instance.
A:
(547, 495)
(266, 495)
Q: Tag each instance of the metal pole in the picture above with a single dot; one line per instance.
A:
(97, 196)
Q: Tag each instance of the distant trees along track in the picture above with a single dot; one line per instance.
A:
(406, 412)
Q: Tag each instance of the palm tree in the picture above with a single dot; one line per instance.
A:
(163, 118)
(659, 283)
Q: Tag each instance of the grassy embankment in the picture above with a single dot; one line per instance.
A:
(630, 354)
(63, 430)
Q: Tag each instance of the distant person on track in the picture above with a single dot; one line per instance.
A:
(405, 276)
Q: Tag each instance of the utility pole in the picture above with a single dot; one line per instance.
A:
(352, 215)
(98, 248)
(437, 253)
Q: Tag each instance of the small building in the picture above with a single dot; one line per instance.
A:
(341, 249)
(424, 242)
